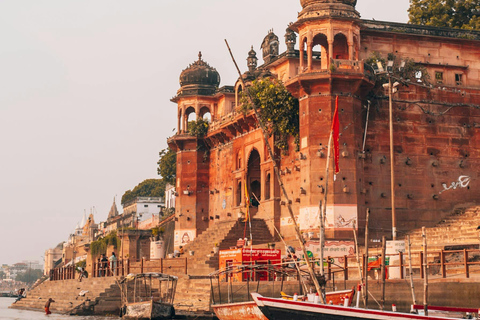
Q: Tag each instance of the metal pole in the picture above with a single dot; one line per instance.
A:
(425, 272)
(358, 263)
(366, 127)
(411, 269)
(366, 258)
(382, 307)
(392, 169)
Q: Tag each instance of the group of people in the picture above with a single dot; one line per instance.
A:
(107, 264)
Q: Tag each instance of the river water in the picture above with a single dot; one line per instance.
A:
(14, 314)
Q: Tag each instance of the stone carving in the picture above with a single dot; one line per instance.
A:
(290, 40)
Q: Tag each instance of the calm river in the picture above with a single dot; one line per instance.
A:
(13, 314)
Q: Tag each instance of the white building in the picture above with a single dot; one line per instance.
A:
(144, 207)
(169, 196)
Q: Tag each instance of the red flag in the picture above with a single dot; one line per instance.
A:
(336, 133)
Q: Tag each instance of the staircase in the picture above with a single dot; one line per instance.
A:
(458, 230)
(103, 296)
(226, 234)
(192, 297)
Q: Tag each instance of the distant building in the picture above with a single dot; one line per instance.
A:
(51, 257)
(143, 208)
(169, 196)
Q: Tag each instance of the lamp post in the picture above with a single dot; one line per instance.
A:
(391, 90)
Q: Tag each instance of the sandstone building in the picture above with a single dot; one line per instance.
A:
(436, 141)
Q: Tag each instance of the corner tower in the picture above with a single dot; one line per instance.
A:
(329, 66)
(195, 100)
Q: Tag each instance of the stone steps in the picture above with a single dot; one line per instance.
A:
(225, 234)
(66, 294)
(460, 228)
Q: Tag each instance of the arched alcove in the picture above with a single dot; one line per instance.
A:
(340, 47)
(303, 54)
(254, 175)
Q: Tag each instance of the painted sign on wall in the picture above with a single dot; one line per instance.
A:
(340, 216)
(462, 182)
(182, 237)
(334, 249)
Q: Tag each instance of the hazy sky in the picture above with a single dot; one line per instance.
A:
(85, 90)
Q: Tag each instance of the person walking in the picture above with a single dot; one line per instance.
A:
(104, 261)
(47, 305)
(113, 263)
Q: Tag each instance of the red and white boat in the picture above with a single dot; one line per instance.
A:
(281, 309)
(248, 310)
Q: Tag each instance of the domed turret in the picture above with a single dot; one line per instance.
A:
(305, 3)
(199, 79)
(314, 9)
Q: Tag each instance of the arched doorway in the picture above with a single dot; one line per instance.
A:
(253, 179)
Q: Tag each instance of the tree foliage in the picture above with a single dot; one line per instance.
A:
(409, 72)
(461, 14)
(147, 188)
(167, 165)
(277, 109)
(198, 128)
(29, 276)
(100, 246)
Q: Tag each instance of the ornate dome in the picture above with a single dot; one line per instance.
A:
(199, 73)
(305, 3)
(320, 9)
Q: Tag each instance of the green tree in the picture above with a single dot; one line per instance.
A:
(147, 188)
(198, 128)
(461, 14)
(29, 276)
(277, 109)
(167, 165)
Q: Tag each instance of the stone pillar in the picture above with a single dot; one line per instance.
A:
(302, 48)
(330, 51)
(310, 54)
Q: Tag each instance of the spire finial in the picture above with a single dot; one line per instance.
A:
(199, 55)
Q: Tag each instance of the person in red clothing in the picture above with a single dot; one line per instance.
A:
(47, 305)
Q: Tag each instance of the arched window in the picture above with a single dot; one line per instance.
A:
(190, 115)
(320, 51)
(238, 196)
(205, 114)
(267, 185)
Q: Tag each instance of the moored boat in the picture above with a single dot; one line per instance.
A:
(281, 309)
(148, 296)
(228, 306)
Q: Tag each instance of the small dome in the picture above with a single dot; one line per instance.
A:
(199, 73)
(305, 3)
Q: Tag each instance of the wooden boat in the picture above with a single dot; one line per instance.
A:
(148, 296)
(281, 309)
(248, 309)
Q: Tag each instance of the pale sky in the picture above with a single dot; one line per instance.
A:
(85, 89)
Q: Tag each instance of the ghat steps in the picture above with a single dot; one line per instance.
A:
(225, 234)
(457, 230)
(102, 293)
(103, 297)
